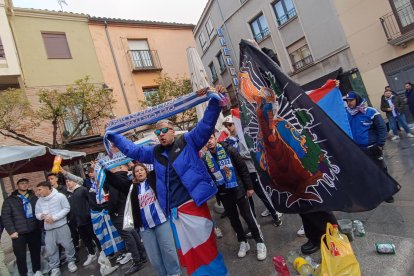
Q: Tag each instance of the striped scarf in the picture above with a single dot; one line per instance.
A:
(109, 238)
(222, 169)
(159, 112)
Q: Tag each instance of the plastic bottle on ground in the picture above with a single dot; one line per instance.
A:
(281, 266)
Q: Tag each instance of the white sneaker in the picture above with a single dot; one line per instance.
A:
(218, 232)
(409, 135)
(126, 258)
(261, 251)
(55, 272)
(395, 138)
(72, 267)
(244, 247)
(38, 273)
(90, 259)
(265, 213)
(279, 215)
(301, 231)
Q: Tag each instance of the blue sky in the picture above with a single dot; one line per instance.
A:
(181, 11)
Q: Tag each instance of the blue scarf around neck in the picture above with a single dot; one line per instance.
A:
(222, 169)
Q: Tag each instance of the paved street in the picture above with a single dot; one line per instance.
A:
(387, 223)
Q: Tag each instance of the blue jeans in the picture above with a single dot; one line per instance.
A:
(161, 251)
(402, 122)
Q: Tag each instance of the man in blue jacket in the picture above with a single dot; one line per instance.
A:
(180, 174)
(368, 129)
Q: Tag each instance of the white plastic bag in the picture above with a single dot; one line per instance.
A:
(128, 223)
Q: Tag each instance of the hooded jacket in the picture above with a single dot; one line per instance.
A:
(56, 205)
(367, 126)
(12, 214)
(181, 159)
(79, 206)
(117, 198)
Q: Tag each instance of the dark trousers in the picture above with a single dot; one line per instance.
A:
(33, 241)
(230, 203)
(88, 236)
(74, 233)
(315, 224)
(259, 191)
(131, 238)
(376, 155)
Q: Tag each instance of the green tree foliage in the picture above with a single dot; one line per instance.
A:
(16, 116)
(82, 104)
(169, 89)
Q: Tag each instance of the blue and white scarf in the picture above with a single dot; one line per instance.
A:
(159, 112)
(28, 211)
(222, 169)
(362, 107)
(107, 163)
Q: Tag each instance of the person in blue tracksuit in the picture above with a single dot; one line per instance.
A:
(368, 128)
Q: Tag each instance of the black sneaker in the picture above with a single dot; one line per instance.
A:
(277, 222)
(309, 248)
(134, 268)
(390, 200)
(142, 260)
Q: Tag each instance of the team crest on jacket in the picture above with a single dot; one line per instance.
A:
(284, 145)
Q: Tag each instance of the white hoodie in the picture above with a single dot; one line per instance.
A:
(55, 205)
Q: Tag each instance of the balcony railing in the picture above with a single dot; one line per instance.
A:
(399, 25)
(262, 35)
(2, 51)
(283, 19)
(301, 63)
(145, 60)
(68, 125)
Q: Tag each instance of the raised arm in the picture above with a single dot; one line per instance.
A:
(72, 177)
(144, 154)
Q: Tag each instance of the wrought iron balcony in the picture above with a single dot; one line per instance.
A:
(145, 60)
(398, 25)
(262, 35)
(303, 62)
(68, 125)
(284, 19)
(1, 50)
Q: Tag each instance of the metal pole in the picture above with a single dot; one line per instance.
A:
(117, 68)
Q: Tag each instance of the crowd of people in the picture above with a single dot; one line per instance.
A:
(187, 169)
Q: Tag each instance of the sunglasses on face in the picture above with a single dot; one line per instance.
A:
(228, 125)
(163, 130)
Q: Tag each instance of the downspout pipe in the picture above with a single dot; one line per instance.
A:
(121, 83)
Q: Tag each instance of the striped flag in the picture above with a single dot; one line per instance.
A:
(195, 240)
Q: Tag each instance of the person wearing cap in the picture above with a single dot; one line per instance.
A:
(368, 129)
(233, 141)
(393, 107)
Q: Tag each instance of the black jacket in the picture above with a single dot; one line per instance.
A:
(242, 173)
(13, 217)
(396, 101)
(117, 199)
(79, 207)
(124, 189)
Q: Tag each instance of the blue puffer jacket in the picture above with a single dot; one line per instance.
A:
(368, 128)
(183, 157)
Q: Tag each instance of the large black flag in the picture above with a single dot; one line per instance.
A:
(304, 160)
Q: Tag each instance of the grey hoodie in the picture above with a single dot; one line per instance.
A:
(55, 205)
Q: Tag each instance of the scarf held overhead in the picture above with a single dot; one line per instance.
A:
(159, 112)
